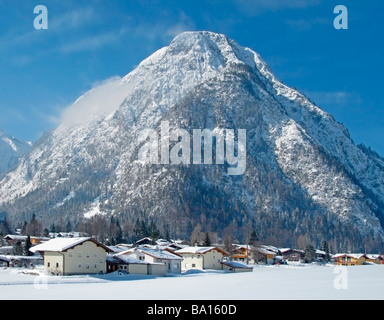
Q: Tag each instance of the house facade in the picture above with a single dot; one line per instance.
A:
(171, 261)
(375, 258)
(131, 265)
(201, 258)
(65, 256)
(350, 259)
(293, 255)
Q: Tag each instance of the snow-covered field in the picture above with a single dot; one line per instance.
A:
(265, 282)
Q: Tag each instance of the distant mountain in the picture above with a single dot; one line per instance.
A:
(11, 150)
(305, 180)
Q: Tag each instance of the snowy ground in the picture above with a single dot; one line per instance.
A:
(265, 282)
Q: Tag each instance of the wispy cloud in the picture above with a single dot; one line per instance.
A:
(73, 19)
(103, 99)
(164, 30)
(90, 43)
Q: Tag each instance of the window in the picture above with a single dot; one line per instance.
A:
(57, 264)
(349, 259)
(193, 265)
(95, 266)
(87, 254)
(48, 264)
(198, 256)
(169, 266)
(176, 266)
(79, 265)
(87, 266)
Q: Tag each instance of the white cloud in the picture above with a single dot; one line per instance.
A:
(73, 19)
(164, 30)
(100, 101)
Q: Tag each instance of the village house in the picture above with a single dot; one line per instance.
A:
(201, 258)
(350, 259)
(64, 256)
(12, 239)
(293, 255)
(320, 255)
(4, 261)
(130, 265)
(243, 253)
(236, 266)
(263, 255)
(171, 260)
(375, 258)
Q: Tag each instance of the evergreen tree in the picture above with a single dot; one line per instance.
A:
(17, 248)
(27, 246)
(68, 227)
(207, 240)
(309, 254)
(53, 228)
(46, 232)
(253, 238)
(325, 248)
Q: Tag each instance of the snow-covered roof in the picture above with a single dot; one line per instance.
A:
(244, 246)
(129, 259)
(156, 253)
(62, 244)
(15, 237)
(321, 252)
(352, 255)
(197, 250)
(283, 250)
(236, 264)
(265, 251)
(2, 258)
(374, 256)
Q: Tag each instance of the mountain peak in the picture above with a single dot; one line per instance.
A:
(11, 149)
(304, 176)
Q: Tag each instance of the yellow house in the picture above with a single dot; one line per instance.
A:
(350, 259)
(64, 256)
(375, 258)
(201, 258)
(242, 252)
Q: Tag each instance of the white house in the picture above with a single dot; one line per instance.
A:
(63, 256)
(201, 258)
(171, 260)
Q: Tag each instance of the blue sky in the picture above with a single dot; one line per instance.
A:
(88, 42)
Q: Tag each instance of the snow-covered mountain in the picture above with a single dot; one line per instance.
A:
(304, 179)
(11, 150)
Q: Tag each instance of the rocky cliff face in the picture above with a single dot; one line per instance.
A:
(11, 150)
(304, 176)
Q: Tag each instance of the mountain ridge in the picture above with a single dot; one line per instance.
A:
(305, 177)
(11, 150)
